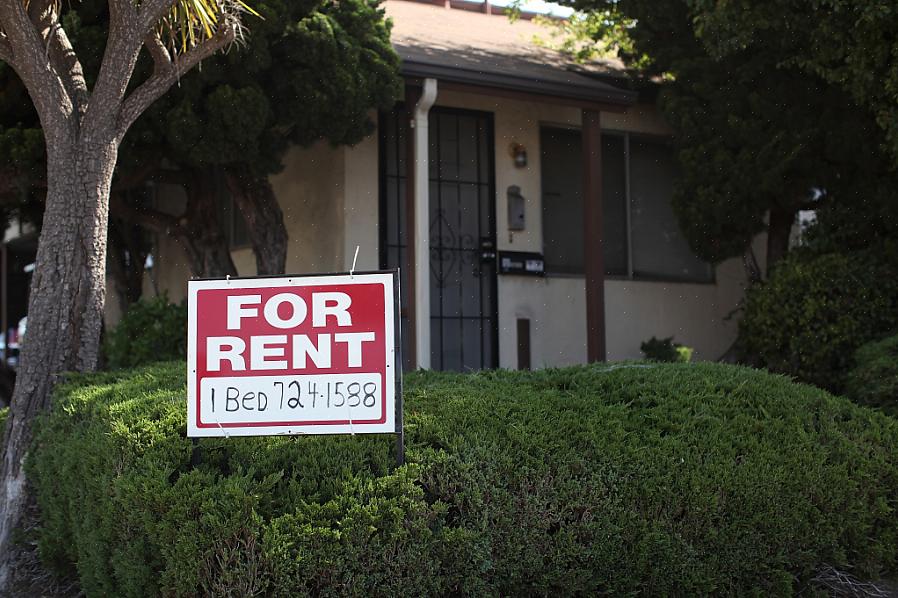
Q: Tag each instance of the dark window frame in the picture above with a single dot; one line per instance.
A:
(631, 274)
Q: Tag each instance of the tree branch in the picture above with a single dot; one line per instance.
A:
(158, 51)
(31, 64)
(59, 51)
(122, 12)
(166, 76)
(68, 67)
(6, 54)
(153, 220)
(152, 11)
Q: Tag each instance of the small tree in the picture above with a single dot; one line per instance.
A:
(850, 43)
(84, 116)
(309, 71)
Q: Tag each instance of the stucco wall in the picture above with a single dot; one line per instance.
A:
(361, 204)
(310, 191)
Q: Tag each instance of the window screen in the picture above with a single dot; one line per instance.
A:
(659, 248)
(562, 180)
(614, 204)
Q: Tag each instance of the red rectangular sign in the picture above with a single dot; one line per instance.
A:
(293, 355)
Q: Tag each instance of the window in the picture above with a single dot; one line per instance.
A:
(658, 247)
(642, 236)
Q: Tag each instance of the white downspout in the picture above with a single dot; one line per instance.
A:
(422, 224)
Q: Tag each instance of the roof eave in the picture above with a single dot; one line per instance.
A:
(494, 83)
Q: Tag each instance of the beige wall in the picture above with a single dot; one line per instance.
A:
(361, 205)
(310, 190)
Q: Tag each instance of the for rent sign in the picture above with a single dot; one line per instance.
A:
(293, 355)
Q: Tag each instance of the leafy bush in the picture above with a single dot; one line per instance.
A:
(812, 314)
(151, 330)
(656, 479)
(874, 380)
(665, 350)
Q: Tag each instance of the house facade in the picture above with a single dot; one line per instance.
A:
(525, 200)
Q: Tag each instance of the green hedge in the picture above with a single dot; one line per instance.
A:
(151, 330)
(874, 380)
(815, 311)
(653, 479)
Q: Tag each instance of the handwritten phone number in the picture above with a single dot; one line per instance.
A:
(296, 395)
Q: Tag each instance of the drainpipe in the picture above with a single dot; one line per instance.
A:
(422, 224)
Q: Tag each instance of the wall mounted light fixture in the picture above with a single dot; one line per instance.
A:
(519, 154)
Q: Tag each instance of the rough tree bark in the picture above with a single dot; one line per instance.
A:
(255, 199)
(83, 129)
(204, 240)
(66, 304)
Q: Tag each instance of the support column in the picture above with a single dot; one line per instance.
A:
(412, 94)
(421, 223)
(594, 258)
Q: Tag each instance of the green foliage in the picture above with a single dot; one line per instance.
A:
(665, 350)
(592, 36)
(151, 330)
(858, 55)
(812, 314)
(754, 131)
(310, 70)
(874, 379)
(653, 479)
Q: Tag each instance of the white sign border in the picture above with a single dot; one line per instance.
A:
(389, 280)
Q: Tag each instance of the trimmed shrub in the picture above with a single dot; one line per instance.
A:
(874, 380)
(653, 479)
(665, 350)
(814, 312)
(151, 330)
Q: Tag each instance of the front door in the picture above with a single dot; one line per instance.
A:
(463, 322)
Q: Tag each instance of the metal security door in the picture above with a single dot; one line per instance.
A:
(464, 324)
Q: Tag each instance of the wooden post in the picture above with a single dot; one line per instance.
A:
(593, 259)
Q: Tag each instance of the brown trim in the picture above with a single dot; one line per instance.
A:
(412, 94)
(593, 258)
(486, 88)
(524, 344)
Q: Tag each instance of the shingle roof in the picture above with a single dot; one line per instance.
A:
(490, 50)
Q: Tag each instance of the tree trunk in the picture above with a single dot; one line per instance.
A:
(65, 307)
(204, 240)
(255, 199)
(778, 231)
